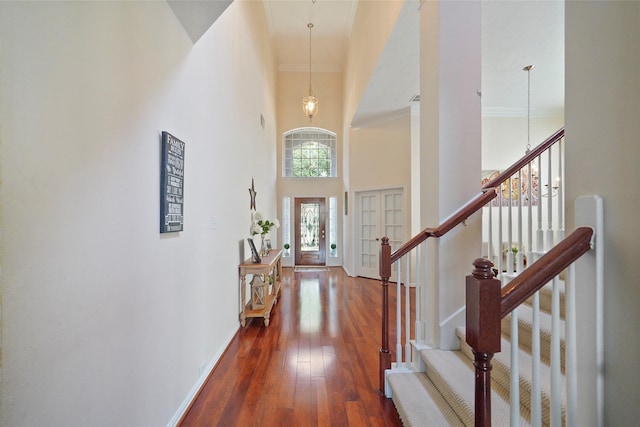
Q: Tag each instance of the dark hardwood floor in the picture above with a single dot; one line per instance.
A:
(315, 365)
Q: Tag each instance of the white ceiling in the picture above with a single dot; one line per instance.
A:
(515, 34)
(332, 22)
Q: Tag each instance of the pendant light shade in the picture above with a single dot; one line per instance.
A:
(310, 105)
(310, 102)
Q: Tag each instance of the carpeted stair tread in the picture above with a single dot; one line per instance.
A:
(448, 386)
(545, 297)
(501, 381)
(452, 372)
(418, 401)
(525, 326)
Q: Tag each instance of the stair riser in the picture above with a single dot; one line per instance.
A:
(464, 412)
(525, 341)
(545, 301)
(501, 383)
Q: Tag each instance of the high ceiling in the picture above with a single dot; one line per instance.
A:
(332, 22)
(515, 34)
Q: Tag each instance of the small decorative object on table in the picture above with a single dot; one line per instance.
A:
(255, 256)
(258, 292)
(262, 226)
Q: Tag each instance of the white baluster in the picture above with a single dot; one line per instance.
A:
(560, 185)
(540, 233)
(407, 314)
(530, 212)
(490, 233)
(571, 357)
(536, 397)
(549, 237)
(425, 294)
(556, 372)
(514, 394)
(399, 316)
(418, 322)
(519, 255)
(510, 228)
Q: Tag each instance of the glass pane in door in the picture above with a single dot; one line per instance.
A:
(393, 219)
(309, 226)
(369, 239)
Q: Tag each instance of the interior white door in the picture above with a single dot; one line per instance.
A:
(380, 213)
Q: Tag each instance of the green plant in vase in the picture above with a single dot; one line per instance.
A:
(262, 226)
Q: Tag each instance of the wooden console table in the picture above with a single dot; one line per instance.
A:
(262, 300)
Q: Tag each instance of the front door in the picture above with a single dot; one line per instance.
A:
(310, 245)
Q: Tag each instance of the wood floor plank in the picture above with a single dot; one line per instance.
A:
(315, 365)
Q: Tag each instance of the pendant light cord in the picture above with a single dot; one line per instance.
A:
(528, 69)
(310, 26)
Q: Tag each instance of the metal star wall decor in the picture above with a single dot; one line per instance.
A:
(252, 196)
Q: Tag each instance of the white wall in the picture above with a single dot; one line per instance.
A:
(105, 321)
(504, 139)
(373, 24)
(602, 128)
(380, 156)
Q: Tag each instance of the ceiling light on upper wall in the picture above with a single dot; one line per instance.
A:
(310, 102)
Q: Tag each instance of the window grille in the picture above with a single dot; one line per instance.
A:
(309, 153)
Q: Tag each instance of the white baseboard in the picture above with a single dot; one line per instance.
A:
(200, 382)
(346, 270)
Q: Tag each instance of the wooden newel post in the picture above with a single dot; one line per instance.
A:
(385, 274)
(483, 332)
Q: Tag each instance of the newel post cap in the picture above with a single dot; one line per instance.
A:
(482, 269)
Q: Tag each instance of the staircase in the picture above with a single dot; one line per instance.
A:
(530, 336)
(444, 393)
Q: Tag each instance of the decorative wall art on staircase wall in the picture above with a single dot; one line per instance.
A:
(511, 189)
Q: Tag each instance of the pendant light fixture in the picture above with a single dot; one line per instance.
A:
(310, 102)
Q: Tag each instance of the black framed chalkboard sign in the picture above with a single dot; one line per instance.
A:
(171, 184)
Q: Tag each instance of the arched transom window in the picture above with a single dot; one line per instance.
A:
(309, 153)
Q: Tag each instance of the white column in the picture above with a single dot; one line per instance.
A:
(450, 142)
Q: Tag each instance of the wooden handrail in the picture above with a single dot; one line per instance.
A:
(546, 268)
(525, 160)
(489, 192)
(487, 304)
(458, 217)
